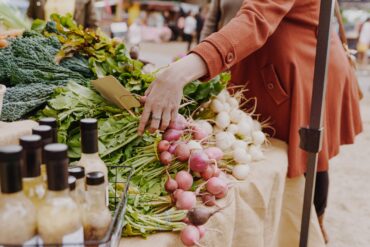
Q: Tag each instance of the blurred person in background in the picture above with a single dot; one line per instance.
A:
(181, 25)
(270, 46)
(200, 23)
(220, 13)
(190, 27)
(83, 11)
(364, 42)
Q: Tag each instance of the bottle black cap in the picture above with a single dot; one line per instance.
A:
(95, 178)
(11, 169)
(89, 135)
(52, 122)
(76, 171)
(31, 154)
(56, 166)
(71, 183)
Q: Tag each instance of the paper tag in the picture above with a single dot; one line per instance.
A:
(76, 237)
(113, 91)
(32, 242)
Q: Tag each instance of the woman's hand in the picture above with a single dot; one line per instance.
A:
(164, 95)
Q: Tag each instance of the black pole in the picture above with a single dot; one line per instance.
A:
(311, 137)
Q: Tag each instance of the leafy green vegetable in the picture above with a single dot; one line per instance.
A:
(21, 100)
(12, 18)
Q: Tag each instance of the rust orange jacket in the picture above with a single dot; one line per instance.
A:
(270, 46)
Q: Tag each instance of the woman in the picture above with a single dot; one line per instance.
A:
(270, 46)
(364, 42)
(84, 12)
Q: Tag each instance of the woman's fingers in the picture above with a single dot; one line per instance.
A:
(166, 118)
(174, 114)
(156, 118)
(144, 118)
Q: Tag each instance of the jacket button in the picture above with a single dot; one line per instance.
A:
(270, 86)
(230, 57)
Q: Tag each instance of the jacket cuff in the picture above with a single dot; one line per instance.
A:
(218, 53)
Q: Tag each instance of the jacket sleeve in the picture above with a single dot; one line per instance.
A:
(211, 23)
(255, 22)
(91, 18)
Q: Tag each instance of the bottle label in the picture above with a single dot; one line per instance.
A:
(76, 237)
(32, 242)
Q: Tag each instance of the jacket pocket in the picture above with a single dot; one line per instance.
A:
(272, 84)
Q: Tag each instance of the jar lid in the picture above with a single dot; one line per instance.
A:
(95, 178)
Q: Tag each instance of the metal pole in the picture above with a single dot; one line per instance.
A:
(311, 137)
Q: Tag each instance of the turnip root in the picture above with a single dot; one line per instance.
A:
(184, 180)
(190, 235)
(217, 106)
(258, 137)
(199, 216)
(236, 115)
(222, 120)
(179, 124)
(223, 96)
(177, 193)
(172, 135)
(201, 129)
(198, 161)
(163, 146)
(216, 186)
(240, 144)
(182, 152)
(186, 200)
(208, 173)
(205, 125)
(194, 145)
(233, 102)
(222, 194)
(257, 125)
(256, 153)
(172, 148)
(244, 128)
(241, 172)
(224, 140)
(241, 156)
(233, 129)
(202, 231)
(165, 158)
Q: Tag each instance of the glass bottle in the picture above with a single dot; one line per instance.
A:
(17, 213)
(90, 159)
(79, 173)
(72, 188)
(46, 137)
(52, 122)
(33, 184)
(58, 218)
(96, 216)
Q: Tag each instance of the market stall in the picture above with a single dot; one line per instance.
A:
(86, 81)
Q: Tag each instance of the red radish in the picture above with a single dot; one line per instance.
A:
(209, 200)
(198, 161)
(172, 148)
(199, 133)
(186, 200)
(179, 124)
(171, 185)
(163, 146)
(186, 220)
(177, 193)
(216, 185)
(182, 152)
(214, 153)
(172, 135)
(184, 180)
(208, 173)
(222, 194)
(190, 235)
(202, 231)
(165, 158)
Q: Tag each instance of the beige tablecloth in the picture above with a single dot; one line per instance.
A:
(265, 210)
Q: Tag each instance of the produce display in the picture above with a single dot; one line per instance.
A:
(177, 173)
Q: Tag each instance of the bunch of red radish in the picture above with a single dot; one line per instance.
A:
(202, 162)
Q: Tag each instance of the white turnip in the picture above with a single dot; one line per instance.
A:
(241, 156)
(217, 106)
(241, 172)
(258, 137)
(214, 153)
(233, 129)
(194, 145)
(236, 115)
(222, 120)
(224, 140)
(256, 153)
